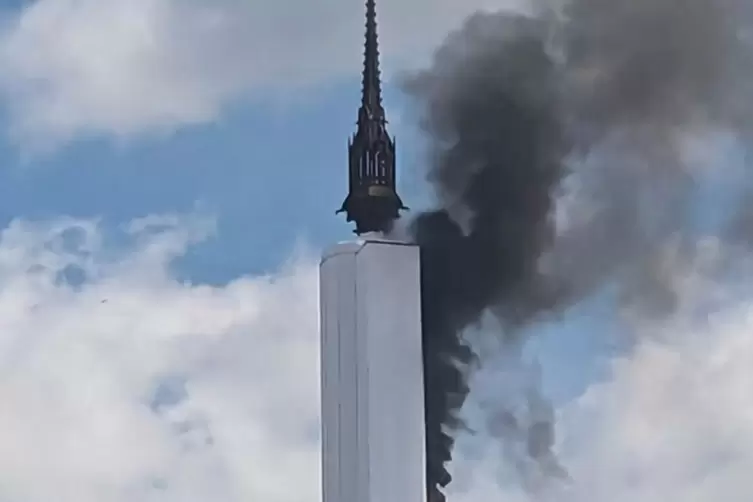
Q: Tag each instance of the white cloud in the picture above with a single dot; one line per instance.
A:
(234, 373)
(234, 368)
(676, 421)
(673, 421)
(126, 67)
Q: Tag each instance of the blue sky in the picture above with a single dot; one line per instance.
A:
(271, 173)
(269, 167)
(272, 176)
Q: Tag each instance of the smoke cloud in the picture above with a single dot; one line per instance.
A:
(496, 159)
(558, 150)
(669, 420)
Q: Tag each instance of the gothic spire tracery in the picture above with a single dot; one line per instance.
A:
(372, 201)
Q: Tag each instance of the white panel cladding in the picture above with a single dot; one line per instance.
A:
(390, 322)
(372, 378)
(338, 368)
(329, 381)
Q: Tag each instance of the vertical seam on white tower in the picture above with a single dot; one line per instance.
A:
(338, 290)
(366, 398)
(361, 453)
(356, 354)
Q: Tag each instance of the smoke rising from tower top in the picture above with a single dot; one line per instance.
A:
(592, 100)
(496, 160)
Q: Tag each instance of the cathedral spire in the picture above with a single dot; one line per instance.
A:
(372, 201)
(371, 100)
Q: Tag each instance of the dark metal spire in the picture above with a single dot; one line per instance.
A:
(372, 201)
(371, 99)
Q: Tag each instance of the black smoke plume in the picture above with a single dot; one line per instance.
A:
(497, 154)
(610, 88)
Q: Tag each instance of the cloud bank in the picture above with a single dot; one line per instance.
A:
(672, 420)
(125, 68)
(121, 382)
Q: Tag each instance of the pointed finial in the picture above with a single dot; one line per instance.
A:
(372, 86)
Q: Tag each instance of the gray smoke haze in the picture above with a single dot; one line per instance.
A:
(558, 153)
(644, 78)
(658, 65)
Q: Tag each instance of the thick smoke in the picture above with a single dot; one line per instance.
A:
(496, 159)
(583, 114)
